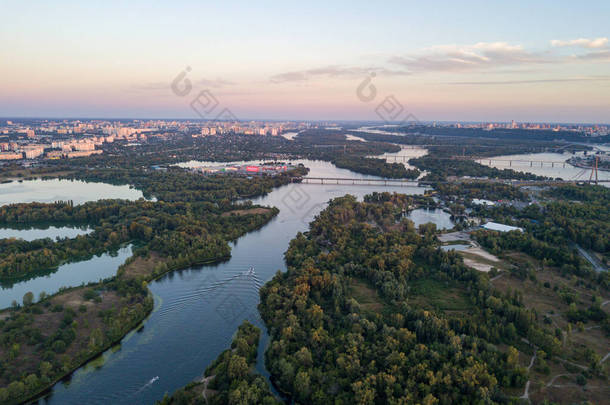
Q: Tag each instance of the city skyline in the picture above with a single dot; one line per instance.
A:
(443, 62)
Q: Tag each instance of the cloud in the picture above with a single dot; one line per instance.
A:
(597, 56)
(333, 71)
(289, 77)
(582, 42)
(534, 81)
(479, 56)
(165, 86)
(150, 86)
(216, 83)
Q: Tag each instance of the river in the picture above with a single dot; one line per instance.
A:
(521, 163)
(197, 310)
(49, 191)
(53, 232)
(67, 275)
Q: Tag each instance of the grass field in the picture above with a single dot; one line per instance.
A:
(366, 296)
(436, 295)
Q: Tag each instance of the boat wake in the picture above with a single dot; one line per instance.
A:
(148, 384)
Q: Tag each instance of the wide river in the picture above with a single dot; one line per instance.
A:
(545, 164)
(197, 310)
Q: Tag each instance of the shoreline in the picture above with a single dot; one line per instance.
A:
(43, 392)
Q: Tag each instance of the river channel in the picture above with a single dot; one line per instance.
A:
(197, 310)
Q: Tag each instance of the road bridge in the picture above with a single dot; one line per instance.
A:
(344, 181)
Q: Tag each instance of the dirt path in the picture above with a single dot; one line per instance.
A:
(573, 364)
(206, 381)
(496, 277)
(550, 383)
(526, 393)
(532, 361)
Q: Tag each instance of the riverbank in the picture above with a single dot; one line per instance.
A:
(586, 164)
(46, 341)
(66, 329)
(218, 296)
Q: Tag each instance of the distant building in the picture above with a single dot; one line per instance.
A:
(33, 151)
(10, 156)
(480, 201)
(494, 226)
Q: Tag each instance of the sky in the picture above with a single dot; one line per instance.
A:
(542, 61)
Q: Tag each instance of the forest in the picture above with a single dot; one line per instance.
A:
(570, 214)
(231, 378)
(520, 135)
(190, 220)
(345, 325)
(376, 167)
(466, 191)
(44, 341)
(185, 224)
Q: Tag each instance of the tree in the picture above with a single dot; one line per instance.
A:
(28, 299)
(238, 367)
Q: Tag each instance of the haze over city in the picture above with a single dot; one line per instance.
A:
(545, 61)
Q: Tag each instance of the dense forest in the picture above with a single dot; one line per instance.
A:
(44, 341)
(441, 167)
(347, 327)
(189, 222)
(517, 134)
(231, 378)
(466, 191)
(376, 167)
(354, 318)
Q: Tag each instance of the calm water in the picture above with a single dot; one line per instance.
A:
(521, 163)
(62, 190)
(48, 232)
(317, 168)
(437, 216)
(67, 275)
(403, 156)
(198, 309)
(458, 247)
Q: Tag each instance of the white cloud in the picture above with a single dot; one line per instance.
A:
(478, 57)
(481, 55)
(333, 71)
(582, 42)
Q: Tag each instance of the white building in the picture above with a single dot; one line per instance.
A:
(494, 226)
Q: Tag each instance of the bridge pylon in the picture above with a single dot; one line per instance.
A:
(594, 171)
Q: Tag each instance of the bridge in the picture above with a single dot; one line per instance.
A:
(362, 181)
(521, 162)
(344, 181)
(506, 162)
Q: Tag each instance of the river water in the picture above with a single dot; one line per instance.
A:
(66, 275)
(197, 310)
(30, 234)
(521, 163)
(62, 190)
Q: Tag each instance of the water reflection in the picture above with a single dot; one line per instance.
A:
(437, 216)
(66, 275)
(47, 191)
(53, 232)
